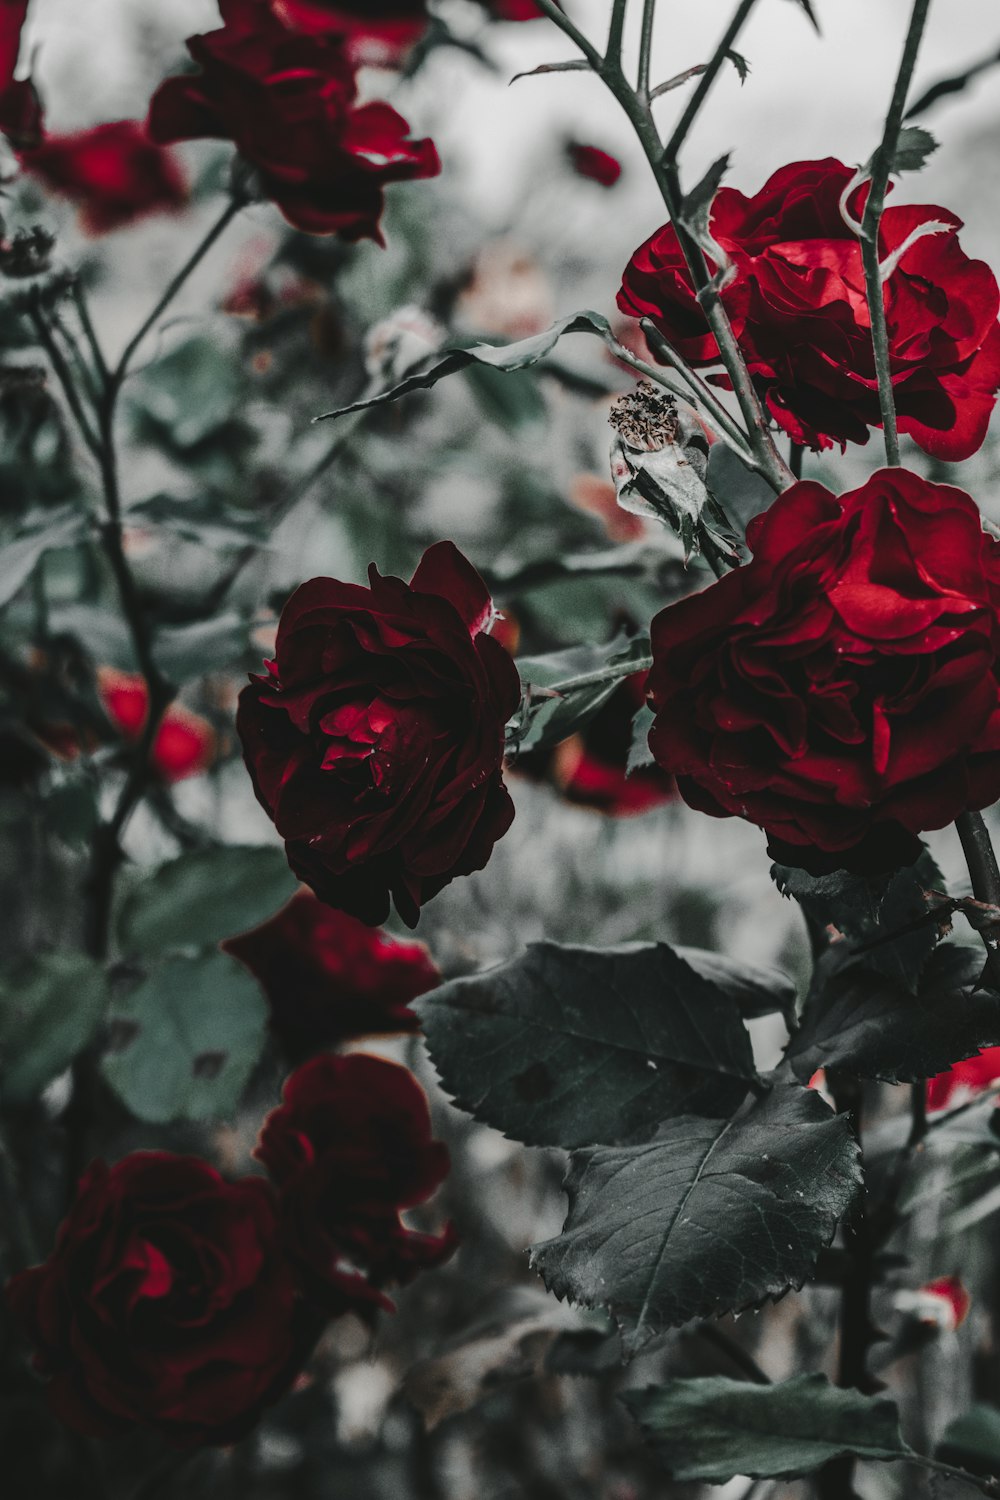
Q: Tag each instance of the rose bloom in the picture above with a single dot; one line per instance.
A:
(288, 103)
(375, 742)
(593, 163)
(329, 978)
(20, 107)
(350, 1147)
(185, 742)
(513, 10)
(964, 1080)
(841, 689)
(166, 1303)
(376, 31)
(798, 308)
(113, 172)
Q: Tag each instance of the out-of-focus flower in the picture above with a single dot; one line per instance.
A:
(376, 740)
(796, 300)
(513, 10)
(377, 32)
(114, 173)
(287, 101)
(593, 163)
(329, 978)
(399, 343)
(348, 1149)
(20, 106)
(184, 743)
(964, 1080)
(507, 293)
(167, 1303)
(599, 497)
(842, 689)
(943, 1303)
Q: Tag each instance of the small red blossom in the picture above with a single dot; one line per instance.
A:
(796, 300)
(167, 1303)
(375, 31)
(114, 173)
(185, 742)
(513, 10)
(593, 163)
(964, 1080)
(375, 741)
(842, 689)
(329, 978)
(348, 1149)
(20, 107)
(288, 102)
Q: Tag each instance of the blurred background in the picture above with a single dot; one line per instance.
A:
(236, 496)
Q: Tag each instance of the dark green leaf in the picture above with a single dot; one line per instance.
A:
(203, 897)
(189, 393)
(711, 1216)
(184, 652)
(510, 400)
(740, 63)
(20, 555)
(696, 209)
(497, 357)
(569, 1046)
(640, 755)
(201, 518)
(549, 719)
(873, 1027)
(953, 85)
(756, 989)
(184, 1043)
(50, 1007)
(913, 148)
(713, 1429)
(973, 1440)
(886, 918)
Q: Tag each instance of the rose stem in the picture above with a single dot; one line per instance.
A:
(982, 862)
(770, 464)
(872, 218)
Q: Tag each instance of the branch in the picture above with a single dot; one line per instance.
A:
(985, 874)
(613, 52)
(646, 49)
(697, 99)
(590, 52)
(881, 168)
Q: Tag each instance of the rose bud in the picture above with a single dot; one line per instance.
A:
(288, 102)
(350, 1147)
(593, 163)
(329, 978)
(842, 689)
(796, 301)
(375, 741)
(167, 1303)
(184, 744)
(114, 174)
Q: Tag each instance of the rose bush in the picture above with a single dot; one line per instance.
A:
(797, 304)
(329, 977)
(842, 689)
(288, 102)
(375, 742)
(348, 1149)
(166, 1303)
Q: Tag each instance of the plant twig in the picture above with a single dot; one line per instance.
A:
(613, 51)
(871, 220)
(671, 150)
(985, 875)
(646, 49)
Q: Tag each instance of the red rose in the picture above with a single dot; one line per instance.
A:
(841, 689)
(592, 162)
(114, 172)
(513, 10)
(376, 31)
(287, 102)
(329, 977)
(964, 1080)
(348, 1149)
(166, 1303)
(185, 742)
(375, 742)
(20, 107)
(798, 308)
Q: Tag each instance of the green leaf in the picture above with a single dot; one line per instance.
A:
(973, 1440)
(199, 899)
(50, 1008)
(20, 556)
(711, 1216)
(184, 652)
(189, 393)
(740, 63)
(756, 989)
(570, 1046)
(913, 147)
(185, 1042)
(497, 357)
(873, 1027)
(546, 720)
(887, 919)
(713, 1429)
(696, 210)
(200, 518)
(640, 756)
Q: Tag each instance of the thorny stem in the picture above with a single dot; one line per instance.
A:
(672, 149)
(881, 167)
(769, 462)
(985, 874)
(646, 49)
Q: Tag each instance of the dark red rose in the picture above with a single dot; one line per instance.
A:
(348, 1149)
(329, 977)
(287, 101)
(592, 162)
(167, 1303)
(964, 1080)
(841, 689)
(375, 742)
(114, 173)
(376, 31)
(513, 10)
(20, 107)
(797, 305)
